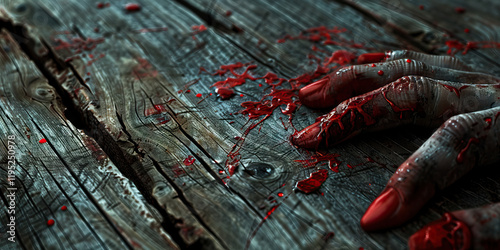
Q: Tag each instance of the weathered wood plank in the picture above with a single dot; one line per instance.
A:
(104, 210)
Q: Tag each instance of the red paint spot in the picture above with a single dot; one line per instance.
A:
(189, 160)
(313, 182)
(50, 222)
(421, 7)
(64, 208)
(380, 72)
(280, 194)
(460, 10)
(132, 7)
(42, 140)
(466, 30)
(408, 60)
(199, 95)
(460, 157)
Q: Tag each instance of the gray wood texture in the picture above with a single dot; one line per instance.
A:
(122, 157)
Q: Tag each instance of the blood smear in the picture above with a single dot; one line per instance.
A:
(132, 7)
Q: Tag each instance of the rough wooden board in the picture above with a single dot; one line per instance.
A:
(185, 58)
(104, 208)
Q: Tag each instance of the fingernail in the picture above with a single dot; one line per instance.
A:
(314, 96)
(446, 233)
(380, 214)
(309, 137)
(371, 58)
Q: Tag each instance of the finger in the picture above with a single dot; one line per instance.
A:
(462, 142)
(476, 228)
(414, 99)
(359, 79)
(443, 61)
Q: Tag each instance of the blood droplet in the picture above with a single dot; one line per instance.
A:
(380, 73)
(198, 95)
(241, 95)
(132, 7)
(421, 7)
(280, 194)
(466, 30)
(408, 60)
(42, 140)
(50, 222)
(313, 182)
(64, 208)
(224, 93)
(189, 160)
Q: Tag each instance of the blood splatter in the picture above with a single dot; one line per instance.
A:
(280, 194)
(43, 140)
(452, 89)
(455, 46)
(421, 7)
(102, 5)
(313, 182)
(324, 35)
(488, 121)
(466, 30)
(189, 160)
(332, 160)
(408, 60)
(199, 95)
(229, 13)
(380, 73)
(50, 222)
(64, 208)
(132, 7)
(460, 157)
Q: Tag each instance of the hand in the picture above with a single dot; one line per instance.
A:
(426, 90)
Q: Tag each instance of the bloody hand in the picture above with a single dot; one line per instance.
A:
(403, 87)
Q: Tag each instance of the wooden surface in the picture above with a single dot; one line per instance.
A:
(119, 165)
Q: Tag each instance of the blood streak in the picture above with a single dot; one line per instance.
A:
(43, 140)
(313, 182)
(452, 89)
(146, 30)
(143, 69)
(132, 7)
(189, 160)
(460, 157)
(341, 57)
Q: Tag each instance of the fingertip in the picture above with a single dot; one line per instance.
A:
(315, 94)
(310, 137)
(384, 211)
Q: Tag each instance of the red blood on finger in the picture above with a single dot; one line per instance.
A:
(371, 58)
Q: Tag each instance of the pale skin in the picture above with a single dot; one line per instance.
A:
(414, 88)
